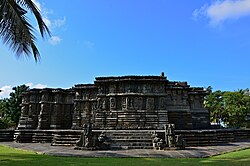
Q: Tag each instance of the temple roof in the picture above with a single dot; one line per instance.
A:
(130, 78)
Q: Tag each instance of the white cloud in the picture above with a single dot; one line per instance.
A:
(221, 11)
(5, 91)
(53, 24)
(37, 86)
(58, 23)
(54, 40)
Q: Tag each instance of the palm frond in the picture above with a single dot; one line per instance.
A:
(15, 30)
(33, 8)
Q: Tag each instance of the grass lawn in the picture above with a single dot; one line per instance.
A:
(10, 156)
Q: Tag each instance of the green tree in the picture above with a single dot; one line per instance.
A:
(237, 107)
(12, 105)
(4, 121)
(233, 108)
(214, 104)
(15, 29)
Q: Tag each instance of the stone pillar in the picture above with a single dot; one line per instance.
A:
(23, 121)
(44, 116)
(33, 110)
(32, 118)
(55, 117)
(76, 119)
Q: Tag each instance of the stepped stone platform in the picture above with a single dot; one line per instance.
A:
(189, 152)
(126, 139)
(119, 112)
(6, 135)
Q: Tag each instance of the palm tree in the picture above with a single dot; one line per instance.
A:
(15, 29)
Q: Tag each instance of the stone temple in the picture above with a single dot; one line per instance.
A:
(120, 112)
(116, 103)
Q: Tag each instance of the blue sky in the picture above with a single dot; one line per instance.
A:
(205, 42)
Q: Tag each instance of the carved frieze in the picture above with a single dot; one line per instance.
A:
(33, 97)
(112, 102)
(45, 97)
(25, 99)
(118, 102)
(124, 103)
(112, 88)
(130, 102)
(140, 103)
(25, 110)
(150, 103)
(162, 103)
(104, 104)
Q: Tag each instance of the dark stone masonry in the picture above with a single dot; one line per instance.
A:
(127, 112)
(116, 103)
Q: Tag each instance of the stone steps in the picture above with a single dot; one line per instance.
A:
(65, 138)
(23, 136)
(6, 135)
(44, 137)
(126, 138)
(207, 137)
(131, 139)
(131, 147)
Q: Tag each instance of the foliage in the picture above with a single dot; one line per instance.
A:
(214, 104)
(14, 157)
(15, 29)
(233, 108)
(4, 121)
(10, 108)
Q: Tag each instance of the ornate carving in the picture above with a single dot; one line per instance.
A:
(162, 104)
(24, 110)
(112, 88)
(45, 97)
(140, 103)
(130, 102)
(124, 102)
(86, 137)
(25, 99)
(32, 97)
(104, 104)
(101, 90)
(99, 103)
(112, 101)
(170, 135)
(150, 103)
(147, 102)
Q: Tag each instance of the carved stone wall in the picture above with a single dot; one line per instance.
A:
(30, 110)
(47, 109)
(139, 102)
(127, 102)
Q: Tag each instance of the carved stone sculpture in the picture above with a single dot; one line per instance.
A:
(170, 135)
(126, 102)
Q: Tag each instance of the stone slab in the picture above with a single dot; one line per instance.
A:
(189, 152)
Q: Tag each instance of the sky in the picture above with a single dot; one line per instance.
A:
(205, 42)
